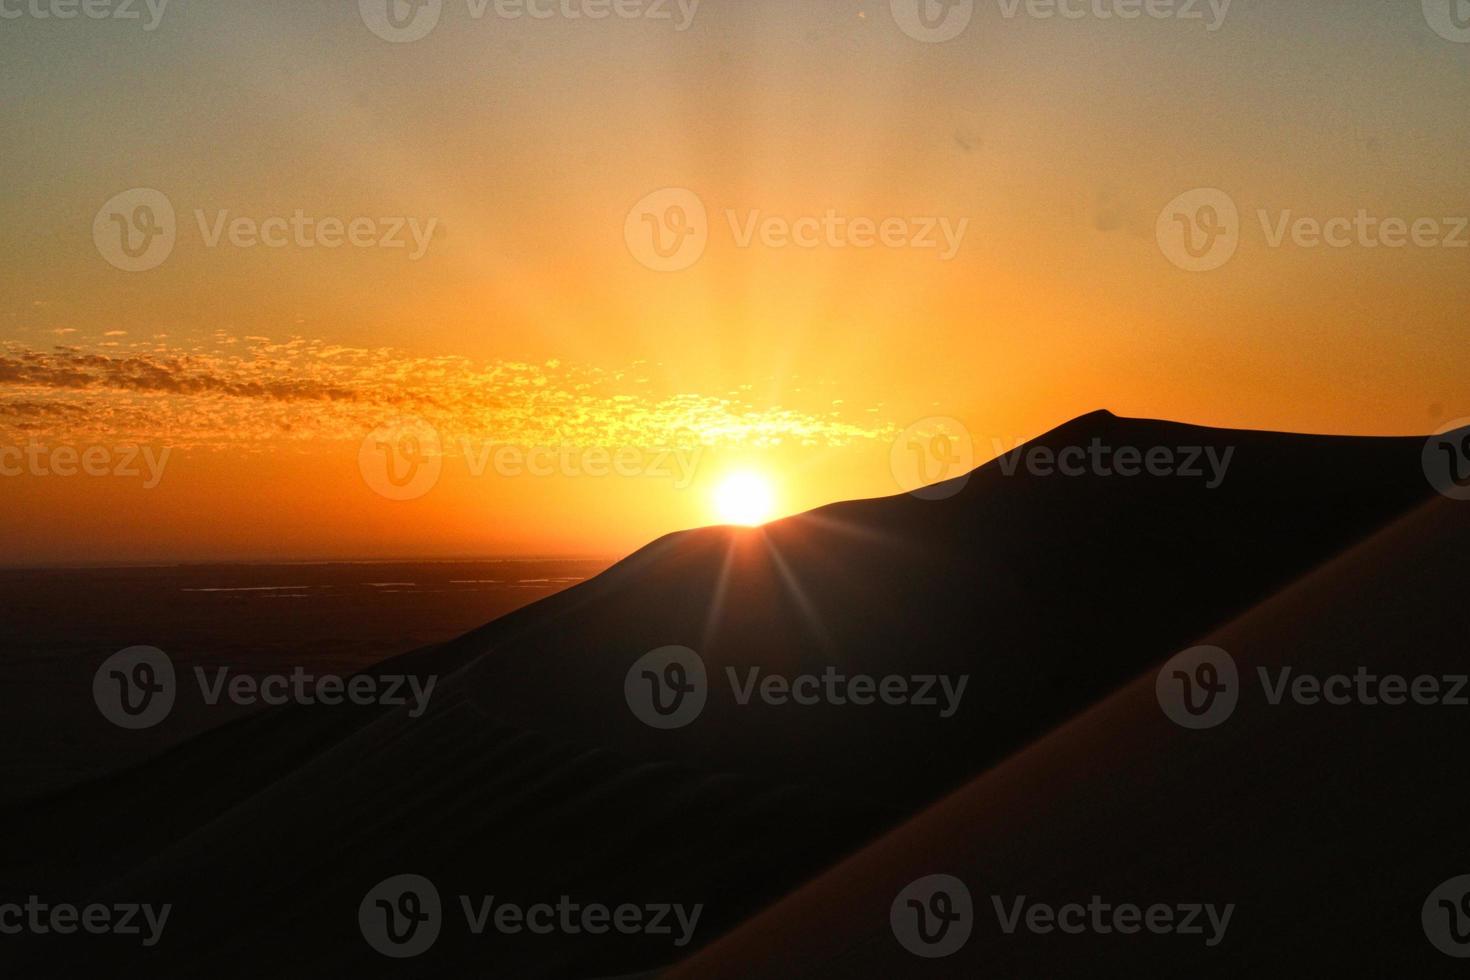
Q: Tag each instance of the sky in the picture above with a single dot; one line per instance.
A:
(342, 280)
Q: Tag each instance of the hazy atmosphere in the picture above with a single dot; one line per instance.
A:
(449, 223)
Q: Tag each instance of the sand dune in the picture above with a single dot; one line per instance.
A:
(1327, 826)
(530, 777)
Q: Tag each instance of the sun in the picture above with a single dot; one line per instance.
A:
(745, 497)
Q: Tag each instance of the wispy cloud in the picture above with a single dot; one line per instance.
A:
(253, 393)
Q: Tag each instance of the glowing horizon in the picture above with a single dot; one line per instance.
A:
(534, 253)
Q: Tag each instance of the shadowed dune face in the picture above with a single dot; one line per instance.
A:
(531, 776)
(1325, 825)
(1045, 590)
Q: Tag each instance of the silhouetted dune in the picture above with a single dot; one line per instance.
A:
(1327, 826)
(1049, 590)
(531, 777)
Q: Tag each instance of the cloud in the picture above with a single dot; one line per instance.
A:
(256, 394)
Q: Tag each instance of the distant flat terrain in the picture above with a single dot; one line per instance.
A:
(60, 623)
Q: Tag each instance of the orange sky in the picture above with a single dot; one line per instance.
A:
(527, 314)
